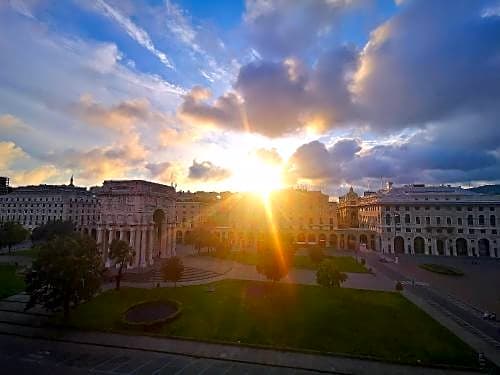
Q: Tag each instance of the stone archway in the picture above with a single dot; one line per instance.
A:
(178, 236)
(333, 241)
(351, 242)
(301, 238)
(399, 245)
(461, 246)
(322, 240)
(440, 247)
(484, 247)
(363, 239)
(419, 245)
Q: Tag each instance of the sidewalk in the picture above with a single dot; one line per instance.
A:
(234, 353)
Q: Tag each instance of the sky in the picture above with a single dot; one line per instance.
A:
(250, 95)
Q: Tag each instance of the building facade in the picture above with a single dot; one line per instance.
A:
(432, 220)
(33, 206)
(141, 213)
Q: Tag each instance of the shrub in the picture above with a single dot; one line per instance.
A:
(273, 264)
(328, 275)
(172, 270)
(316, 254)
(399, 286)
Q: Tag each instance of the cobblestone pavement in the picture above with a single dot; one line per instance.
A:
(23, 356)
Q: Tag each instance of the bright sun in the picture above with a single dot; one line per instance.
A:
(258, 176)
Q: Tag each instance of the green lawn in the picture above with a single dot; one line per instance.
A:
(344, 263)
(378, 324)
(10, 282)
(27, 253)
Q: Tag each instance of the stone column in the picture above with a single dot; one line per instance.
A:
(151, 245)
(142, 259)
(132, 245)
(164, 241)
(122, 234)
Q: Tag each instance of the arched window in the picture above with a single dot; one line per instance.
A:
(493, 221)
(407, 219)
(481, 219)
(397, 219)
(470, 220)
(387, 219)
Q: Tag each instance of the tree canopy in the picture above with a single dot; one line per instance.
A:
(51, 229)
(172, 269)
(328, 275)
(274, 256)
(121, 253)
(67, 271)
(12, 233)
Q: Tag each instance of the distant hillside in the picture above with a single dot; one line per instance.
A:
(487, 189)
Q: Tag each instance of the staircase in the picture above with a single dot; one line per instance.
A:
(188, 275)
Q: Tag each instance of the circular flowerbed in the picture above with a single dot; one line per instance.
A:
(443, 270)
(151, 314)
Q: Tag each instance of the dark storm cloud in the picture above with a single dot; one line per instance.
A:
(431, 60)
(207, 171)
(279, 98)
(412, 160)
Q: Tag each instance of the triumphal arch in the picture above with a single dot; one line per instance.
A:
(141, 213)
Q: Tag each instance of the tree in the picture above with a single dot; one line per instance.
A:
(222, 249)
(66, 271)
(51, 229)
(172, 270)
(274, 257)
(11, 234)
(316, 254)
(121, 253)
(328, 275)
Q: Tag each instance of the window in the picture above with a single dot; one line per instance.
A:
(493, 221)
(471, 231)
(428, 220)
(481, 208)
(470, 220)
(459, 221)
(481, 219)
(459, 208)
(417, 220)
(438, 220)
(407, 219)
(448, 220)
(387, 219)
(397, 219)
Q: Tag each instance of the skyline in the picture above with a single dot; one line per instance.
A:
(250, 96)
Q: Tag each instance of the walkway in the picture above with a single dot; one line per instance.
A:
(27, 342)
(481, 335)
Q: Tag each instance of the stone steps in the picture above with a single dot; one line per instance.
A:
(189, 274)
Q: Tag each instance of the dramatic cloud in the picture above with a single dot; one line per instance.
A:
(280, 98)
(416, 159)
(411, 75)
(224, 111)
(165, 172)
(283, 28)
(206, 171)
(270, 156)
(8, 153)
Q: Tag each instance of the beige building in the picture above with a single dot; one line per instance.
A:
(141, 213)
(33, 206)
(434, 220)
(241, 218)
